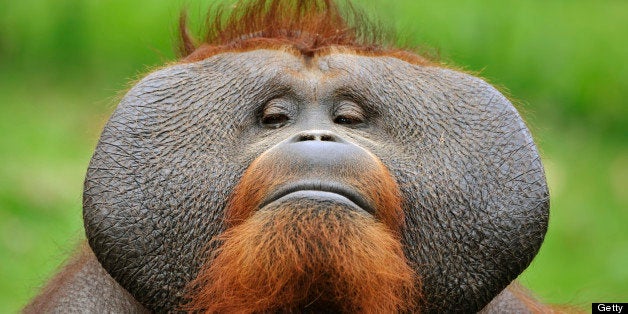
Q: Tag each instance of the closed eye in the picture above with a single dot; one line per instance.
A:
(274, 120)
(347, 120)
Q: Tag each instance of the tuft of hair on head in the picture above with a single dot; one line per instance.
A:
(309, 27)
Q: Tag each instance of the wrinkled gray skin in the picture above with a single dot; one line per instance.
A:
(474, 190)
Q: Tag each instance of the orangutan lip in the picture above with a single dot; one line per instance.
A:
(335, 188)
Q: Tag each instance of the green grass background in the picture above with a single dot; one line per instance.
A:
(63, 62)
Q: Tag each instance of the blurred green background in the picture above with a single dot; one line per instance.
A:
(63, 63)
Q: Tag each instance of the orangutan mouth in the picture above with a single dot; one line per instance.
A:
(332, 191)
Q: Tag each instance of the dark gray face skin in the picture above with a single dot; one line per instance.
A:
(474, 191)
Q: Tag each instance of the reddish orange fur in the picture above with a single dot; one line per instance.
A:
(308, 27)
(306, 259)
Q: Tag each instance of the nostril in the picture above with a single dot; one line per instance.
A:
(317, 135)
(306, 137)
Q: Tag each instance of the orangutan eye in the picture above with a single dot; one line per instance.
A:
(276, 114)
(349, 120)
(348, 113)
(275, 120)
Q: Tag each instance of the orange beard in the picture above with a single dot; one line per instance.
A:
(306, 256)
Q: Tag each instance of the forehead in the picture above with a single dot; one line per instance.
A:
(324, 66)
(330, 71)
